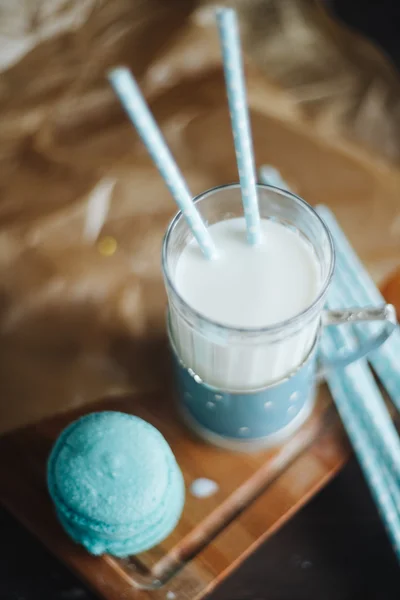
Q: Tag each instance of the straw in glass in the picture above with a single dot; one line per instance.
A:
(135, 105)
(236, 92)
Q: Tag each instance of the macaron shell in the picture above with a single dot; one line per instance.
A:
(98, 543)
(103, 528)
(110, 467)
(115, 484)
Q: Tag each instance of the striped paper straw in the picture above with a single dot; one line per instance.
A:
(356, 395)
(371, 293)
(347, 398)
(135, 105)
(385, 358)
(236, 91)
(360, 290)
(370, 400)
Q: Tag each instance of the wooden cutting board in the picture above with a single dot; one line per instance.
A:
(256, 494)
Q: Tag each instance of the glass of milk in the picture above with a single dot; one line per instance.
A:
(244, 327)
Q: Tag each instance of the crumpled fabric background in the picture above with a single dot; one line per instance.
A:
(74, 324)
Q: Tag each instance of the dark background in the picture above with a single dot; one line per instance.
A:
(334, 549)
(379, 20)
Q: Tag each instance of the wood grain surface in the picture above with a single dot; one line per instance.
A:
(256, 494)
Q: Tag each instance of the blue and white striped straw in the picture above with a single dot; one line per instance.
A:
(355, 392)
(348, 399)
(135, 105)
(370, 403)
(360, 290)
(236, 91)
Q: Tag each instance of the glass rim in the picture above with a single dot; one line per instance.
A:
(274, 328)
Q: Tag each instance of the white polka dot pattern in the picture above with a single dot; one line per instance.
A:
(132, 100)
(236, 91)
(244, 431)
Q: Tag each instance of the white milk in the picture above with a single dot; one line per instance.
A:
(246, 287)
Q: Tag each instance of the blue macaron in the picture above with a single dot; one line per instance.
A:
(115, 483)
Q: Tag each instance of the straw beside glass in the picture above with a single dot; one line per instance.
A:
(135, 105)
(345, 386)
(236, 91)
(357, 396)
(370, 403)
(354, 390)
(360, 290)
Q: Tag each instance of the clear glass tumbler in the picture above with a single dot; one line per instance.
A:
(251, 363)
